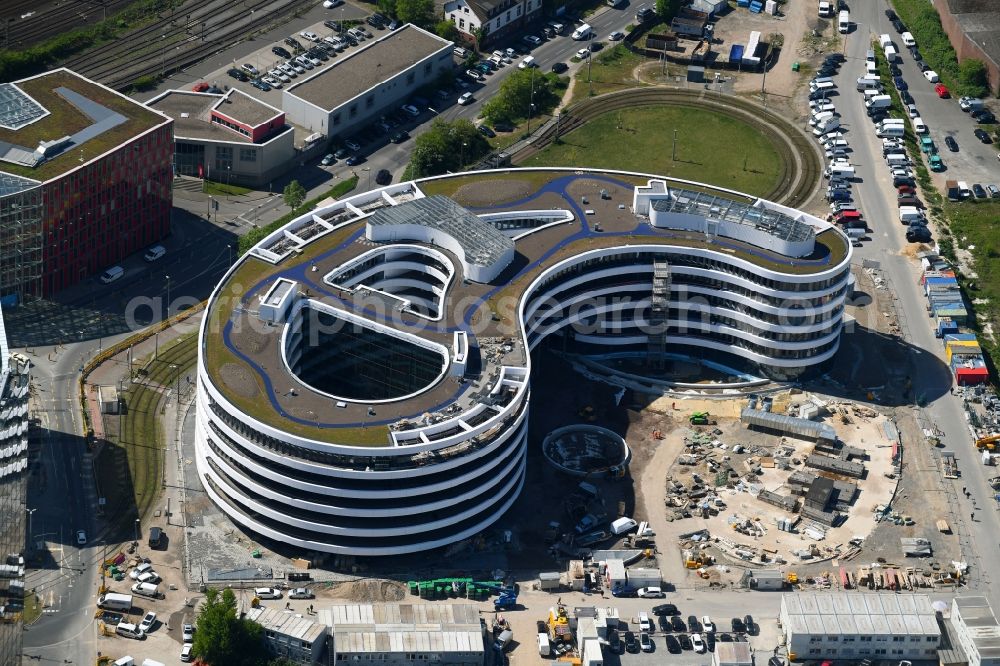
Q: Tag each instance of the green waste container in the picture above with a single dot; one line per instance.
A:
(795, 66)
(256, 553)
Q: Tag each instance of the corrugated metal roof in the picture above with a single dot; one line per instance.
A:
(288, 624)
(401, 628)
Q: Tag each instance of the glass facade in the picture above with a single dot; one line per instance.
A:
(108, 209)
(21, 215)
(13, 497)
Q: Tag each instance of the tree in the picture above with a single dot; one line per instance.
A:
(387, 7)
(418, 12)
(294, 194)
(972, 76)
(667, 9)
(446, 146)
(446, 30)
(223, 639)
(520, 89)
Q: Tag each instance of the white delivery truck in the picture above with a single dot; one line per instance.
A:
(840, 171)
(884, 40)
(115, 601)
(890, 54)
(828, 125)
(583, 32)
(623, 525)
(844, 22)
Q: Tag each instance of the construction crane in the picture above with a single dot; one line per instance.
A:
(988, 443)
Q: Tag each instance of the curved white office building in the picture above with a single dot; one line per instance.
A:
(365, 371)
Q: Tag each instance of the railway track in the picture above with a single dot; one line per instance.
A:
(197, 30)
(51, 19)
(801, 165)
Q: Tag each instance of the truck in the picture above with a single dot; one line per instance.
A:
(643, 14)
(115, 601)
(825, 9)
(952, 186)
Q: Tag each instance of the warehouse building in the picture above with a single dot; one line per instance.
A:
(975, 630)
(85, 181)
(854, 626)
(405, 634)
(229, 138)
(291, 636)
(353, 91)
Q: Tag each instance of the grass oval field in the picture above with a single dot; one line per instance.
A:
(712, 147)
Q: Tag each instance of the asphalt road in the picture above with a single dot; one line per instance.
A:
(931, 380)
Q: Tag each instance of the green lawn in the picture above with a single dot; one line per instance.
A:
(223, 189)
(32, 607)
(711, 148)
(612, 69)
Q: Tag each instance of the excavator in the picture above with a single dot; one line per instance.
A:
(988, 443)
(700, 418)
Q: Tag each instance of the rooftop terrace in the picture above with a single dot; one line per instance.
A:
(65, 118)
(311, 249)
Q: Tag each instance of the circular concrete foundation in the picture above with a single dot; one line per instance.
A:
(586, 451)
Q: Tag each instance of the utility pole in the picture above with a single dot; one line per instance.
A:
(674, 155)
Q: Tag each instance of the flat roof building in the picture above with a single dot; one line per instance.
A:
(85, 180)
(405, 634)
(289, 635)
(852, 626)
(354, 90)
(359, 386)
(228, 138)
(976, 630)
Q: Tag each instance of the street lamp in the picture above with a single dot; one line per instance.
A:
(168, 296)
(137, 530)
(230, 249)
(31, 513)
(462, 165)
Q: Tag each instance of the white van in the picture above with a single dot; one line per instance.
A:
(112, 274)
(890, 54)
(884, 40)
(125, 661)
(890, 131)
(871, 69)
(844, 22)
(829, 125)
(129, 630)
(869, 82)
(919, 126)
(908, 214)
(623, 525)
(154, 253)
(544, 648)
(146, 590)
(583, 32)
(820, 118)
(840, 171)
(879, 102)
(908, 39)
(526, 62)
(822, 85)
(963, 190)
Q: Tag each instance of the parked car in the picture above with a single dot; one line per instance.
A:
(294, 43)
(616, 36)
(650, 593)
(673, 645)
(486, 131)
(237, 74)
(978, 191)
(328, 160)
(645, 643)
(697, 643)
(559, 67)
(737, 625)
(186, 653)
(951, 143)
(906, 97)
(707, 624)
(383, 177)
(465, 98)
(187, 633)
(984, 117)
(354, 160)
(899, 83)
(533, 40)
(983, 136)
(665, 609)
(631, 645)
(267, 593)
(685, 641)
(399, 137)
(410, 109)
(942, 91)
(81, 538)
(260, 85)
(250, 69)
(931, 76)
(311, 36)
(281, 52)
(677, 624)
(301, 593)
(583, 54)
(664, 622)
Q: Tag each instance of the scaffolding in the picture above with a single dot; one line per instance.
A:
(21, 223)
(659, 310)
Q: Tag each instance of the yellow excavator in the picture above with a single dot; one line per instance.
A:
(988, 443)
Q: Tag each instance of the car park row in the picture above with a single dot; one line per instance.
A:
(699, 635)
